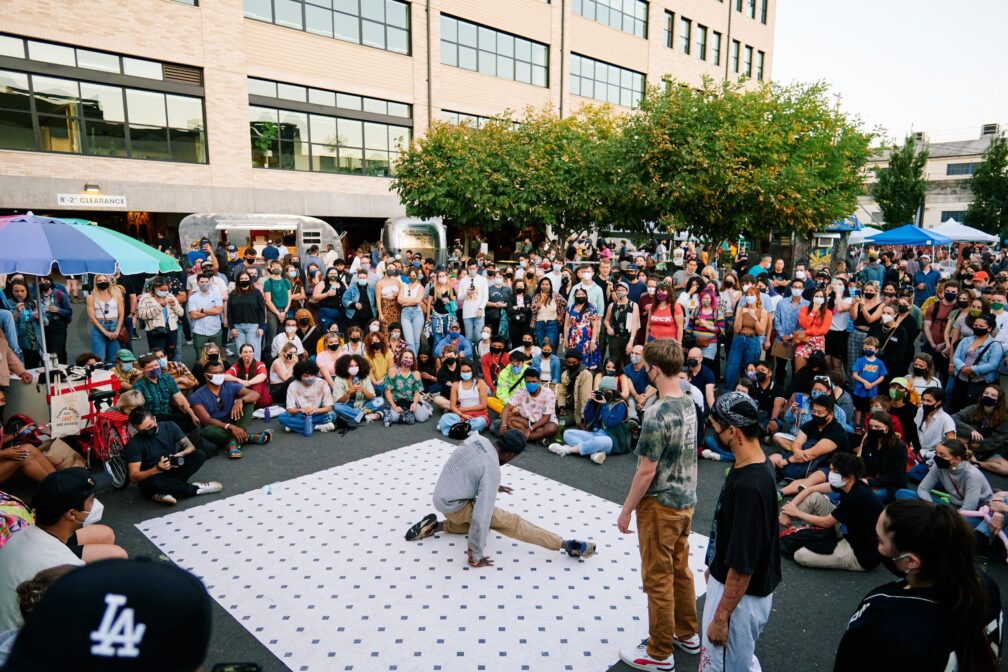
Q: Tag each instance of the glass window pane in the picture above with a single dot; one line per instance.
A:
(184, 112)
(487, 63)
(102, 102)
(294, 156)
(449, 29)
(575, 65)
(377, 164)
(136, 67)
(613, 94)
(288, 13)
(187, 145)
(523, 72)
(323, 129)
(325, 158)
(348, 102)
(261, 87)
(397, 40)
(51, 53)
(373, 34)
(291, 92)
(575, 85)
(96, 60)
(320, 3)
(14, 91)
(262, 115)
(320, 97)
(449, 53)
(146, 108)
(626, 97)
(467, 58)
(375, 136)
(347, 6)
(351, 160)
(346, 27)
(293, 125)
(376, 106)
(318, 20)
(539, 54)
(487, 39)
(505, 67)
(396, 14)
(399, 137)
(538, 75)
(56, 96)
(149, 142)
(351, 132)
(11, 46)
(466, 34)
(523, 49)
(505, 44)
(259, 9)
(61, 134)
(16, 130)
(373, 9)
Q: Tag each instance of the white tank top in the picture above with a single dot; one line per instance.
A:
(468, 398)
(389, 291)
(106, 310)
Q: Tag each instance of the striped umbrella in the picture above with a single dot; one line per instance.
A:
(33, 245)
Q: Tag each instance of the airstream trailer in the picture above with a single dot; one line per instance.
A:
(426, 236)
(257, 230)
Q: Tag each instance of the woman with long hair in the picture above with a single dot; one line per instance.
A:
(984, 425)
(839, 304)
(942, 615)
(246, 309)
(922, 373)
(211, 352)
(251, 373)
(106, 312)
(707, 322)
(411, 298)
(728, 298)
(884, 455)
(751, 324)
(282, 370)
(581, 328)
(548, 308)
(442, 304)
(468, 401)
(387, 292)
(814, 321)
(403, 390)
(379, 357)
(665, 317)
(865, 310)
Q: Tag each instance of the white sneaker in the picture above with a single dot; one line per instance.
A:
(690, 645)
(637, 657)
(208, 487)
(598, 458)
(326, 427)
(287, 429)
(709, 454)
(557, 449)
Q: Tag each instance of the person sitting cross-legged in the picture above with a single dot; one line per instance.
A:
(353, 394)
(468, 401)
(531, 409)
(811, 448)
(225, 410)
(162, 460)
(308, 395)
(605, 431)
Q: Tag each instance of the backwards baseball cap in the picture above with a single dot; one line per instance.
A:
(117, 615)
(735, 408)
(61, 491)
(511, 441)
(126, 356)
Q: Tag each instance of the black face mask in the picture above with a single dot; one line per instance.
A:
(355, 339)
(941, 462)
(889, 564)
(761, 377)
(527, 344)
(876, 433)
(821, 420)
(333, 346)
(102, 285)
(213, 357)
(243, 283)
(919, 372)
(927, 408)
(692, 362)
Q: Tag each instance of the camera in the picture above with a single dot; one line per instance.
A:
(176, 460)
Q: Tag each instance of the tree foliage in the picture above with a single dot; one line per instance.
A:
(900, 188)
(720, 161)
(989, 209)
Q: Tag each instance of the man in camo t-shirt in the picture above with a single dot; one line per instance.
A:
(663, 494)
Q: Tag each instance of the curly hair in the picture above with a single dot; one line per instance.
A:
(344, 362)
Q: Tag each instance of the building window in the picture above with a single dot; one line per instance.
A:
(763, 11)
(735, 47)
(669, 29)
(751, 9)
(480, 49)
(748, 61)
(630, 16)
(194, 3)
(605, 82)
(300, 128)
(716, 48)
(959, 169)
(384, 24)
(685, 33)
(760, 59)
(957, 215)
(738, 5)
(701, 42)
(460, 118)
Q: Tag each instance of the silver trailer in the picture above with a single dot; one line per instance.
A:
(256, 230)
(426, 236)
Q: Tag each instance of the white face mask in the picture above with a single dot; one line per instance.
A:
(95, 514)
(835, 479)
(800, 275)
(217, 379)
(887, 318)
(374, 328)
(353, 371)
(652, 290)
(498, 281)
(486, 335)
(817, 300)
(290, 330)
(636, 359)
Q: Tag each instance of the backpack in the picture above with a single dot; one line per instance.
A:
(15, 515)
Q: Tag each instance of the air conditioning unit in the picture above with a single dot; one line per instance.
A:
(920, 137)
(990, 129)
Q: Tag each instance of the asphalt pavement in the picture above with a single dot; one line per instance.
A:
(810, 610)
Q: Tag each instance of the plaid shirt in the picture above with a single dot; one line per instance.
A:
(157, 394)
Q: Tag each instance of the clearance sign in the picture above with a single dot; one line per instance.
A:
(90, 201)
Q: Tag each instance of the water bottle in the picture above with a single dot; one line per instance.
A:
(308, 428)
(266, 415)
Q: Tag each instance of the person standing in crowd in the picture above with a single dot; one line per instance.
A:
(55, 305)
(895, 346)
(161, 313)
(868, 373)
(936, 319)
(743, 556)
(277, 294)
(581, 328)
(814, 321)
(663, 494)
(26, 316)
(106, 312)
(751, 324)
(246, 311)
(976, 362)
(327, 297)
(547, 310)
(412, 296)
(498, 298)
(942, 614)
(387, 294)
(206, 308)
(442, 304)
(839, 303)
(701, 377)
(622, 321)
(474, 294)
(925, 280)
(162, 460)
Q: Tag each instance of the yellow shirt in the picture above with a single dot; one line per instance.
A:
(379, 364)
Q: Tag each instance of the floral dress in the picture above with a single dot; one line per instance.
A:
(579, 335)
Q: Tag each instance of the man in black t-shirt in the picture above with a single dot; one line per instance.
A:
(858, 511)
(815, 441)
(743, 555)
(161, 460)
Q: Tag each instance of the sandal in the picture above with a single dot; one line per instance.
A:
(234, 451)
(262, 438)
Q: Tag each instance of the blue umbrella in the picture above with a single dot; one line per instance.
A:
(909, 235)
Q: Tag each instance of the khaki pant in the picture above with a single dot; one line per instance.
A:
(663, 535)
(842, 556)
(505, 522)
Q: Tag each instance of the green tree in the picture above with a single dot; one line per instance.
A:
(723, 161)
(900, 188)
(989, 209)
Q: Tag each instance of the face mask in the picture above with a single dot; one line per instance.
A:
(817, 301)
(376, 345)
(941, 462)
(636, 359)
(927, 408)
(761, 376)
(127, 366)
(651, 291)
(963, 304)
(980, 331)
(355, 339)
(896, 394)
(161, 293)
(820, 420)
(997, 306)
(516, 369)
(498, 281)
(102, 285)
(796, 293)
(395, 334)
(876, 433)
(989, 402)
(661, 296)
(692, 362)
(951, 296)
(217, 379)
(163, 362)
(154, 373)
(869, 295)
(290, 330)
(204, 289)
(587, 275)
(406, 364)
(97, 508)
(466, 375)
(557, 267)
(887, 318)
(308, 381)
(390, 272)
(751, 375)
(800, 275)
(582, 300)
(353, 371)
(835, 480)
(532, 387)
(374, 328)
(868, 352)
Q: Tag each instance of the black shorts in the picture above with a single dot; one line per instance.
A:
(862, 404)
(74, 546)
(836, 344)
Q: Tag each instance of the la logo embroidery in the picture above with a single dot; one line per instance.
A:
(117, 636)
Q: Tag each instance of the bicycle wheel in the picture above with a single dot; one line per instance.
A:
(115, 462)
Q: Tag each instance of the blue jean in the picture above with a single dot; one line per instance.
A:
(473, 327)
(101, 346)
(247, 335)
(588, 442)
(710, 443)
(412, 320)
(917, 472)
(10, 331)
(296, 422)
(550, 330)
(329, 315)
(477, 424)
(354, 415)
(744, 349)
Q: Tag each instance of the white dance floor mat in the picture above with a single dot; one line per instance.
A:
(317, 569)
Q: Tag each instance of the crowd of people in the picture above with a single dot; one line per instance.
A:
(859, 405)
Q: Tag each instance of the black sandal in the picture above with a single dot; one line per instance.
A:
(423, 529)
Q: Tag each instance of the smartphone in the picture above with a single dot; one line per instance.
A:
(236, 667)
(854, 291)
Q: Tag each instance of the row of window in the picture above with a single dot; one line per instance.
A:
(75, 57)
(344, 101)
(742, 61)
(606, 82)
(750, 9)
(959, 169)
(957, 215)
(64, 115)
(703, 49)
(630, 16)
(384, 24)
(474, 47)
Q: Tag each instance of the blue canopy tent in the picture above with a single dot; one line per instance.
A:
(909, 235)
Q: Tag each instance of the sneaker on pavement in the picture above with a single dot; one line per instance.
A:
(598, 458)
(208, 487)
(637, 657)
(557, 448)
(326, 427)
(709, 454)
(579, 549)
(287, 429)
(164, 499)
(423, 529)
(690, 645)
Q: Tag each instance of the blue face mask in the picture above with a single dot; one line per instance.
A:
(466, 375)
(868, 353)
(516, 369)
(127, 366)
(532, 387)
